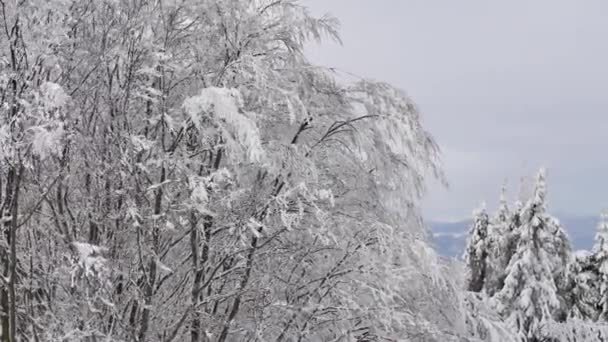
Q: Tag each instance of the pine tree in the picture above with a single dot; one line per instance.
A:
(583, 295)
(513, 231)
(476, 252)
(530, 293)
(498, 240)
(600, 255)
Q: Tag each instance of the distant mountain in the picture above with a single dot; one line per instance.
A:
(449, 238)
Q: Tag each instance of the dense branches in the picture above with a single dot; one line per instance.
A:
(177, 170)
(530, 282)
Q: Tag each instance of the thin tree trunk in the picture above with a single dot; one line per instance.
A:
(4, 293)
(151, 281)
(199, 259)
(236, 304)
(195, 325)
(13, 258)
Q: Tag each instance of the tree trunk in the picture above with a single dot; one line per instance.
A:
(4, 292)
(13, 258)
(195, 326)
(151, 281)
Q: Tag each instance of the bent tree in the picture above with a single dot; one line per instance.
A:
(178, 170)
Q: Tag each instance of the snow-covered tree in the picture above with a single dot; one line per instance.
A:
(499, 240)
(600, 258)
(477, 251)
(178, 170)
(583, 293)
(530, 296)
(513, 231)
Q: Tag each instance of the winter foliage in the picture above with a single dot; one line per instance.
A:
(179, 171)
(476, 252)
(534, 288)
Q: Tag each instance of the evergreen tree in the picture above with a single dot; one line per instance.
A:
(476, 252)
(498, 240)
(530, 295)
(513, 231)
(600, 254)
(583, 295)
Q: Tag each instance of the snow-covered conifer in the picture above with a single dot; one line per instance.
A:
(530, 295)
(583, 295)
(476, 252)
(498, 240)
(600, 255)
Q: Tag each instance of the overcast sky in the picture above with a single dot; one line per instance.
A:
(504, 86)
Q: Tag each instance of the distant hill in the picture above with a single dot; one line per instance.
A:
(449, 238)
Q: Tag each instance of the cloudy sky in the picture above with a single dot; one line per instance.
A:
(504, 86)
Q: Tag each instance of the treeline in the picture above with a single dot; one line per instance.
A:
(521, 259)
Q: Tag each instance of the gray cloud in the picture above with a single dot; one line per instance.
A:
(504, 87)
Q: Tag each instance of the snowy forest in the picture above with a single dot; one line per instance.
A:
(178, 170)
(521, 266)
